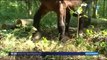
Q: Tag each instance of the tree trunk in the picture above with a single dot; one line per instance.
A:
(104, 8)
(95, 8)
(89, 10)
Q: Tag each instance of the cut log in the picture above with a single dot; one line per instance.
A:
(24, 22)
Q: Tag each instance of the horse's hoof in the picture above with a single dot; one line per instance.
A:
(64, 39)
(36, 36)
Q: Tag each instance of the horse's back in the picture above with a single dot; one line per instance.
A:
(52, 4)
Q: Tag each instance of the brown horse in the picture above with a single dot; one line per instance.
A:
(62, 8)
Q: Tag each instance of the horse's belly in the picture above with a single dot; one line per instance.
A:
(51, 5)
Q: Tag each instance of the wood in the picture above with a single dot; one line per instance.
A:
(24, 22)
(0, 26)
(8, 26)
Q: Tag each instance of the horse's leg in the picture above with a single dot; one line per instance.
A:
(67, 22)
(36, 23)
(61, 20)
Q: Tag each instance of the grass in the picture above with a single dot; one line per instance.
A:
(93, 39)
(19, 39)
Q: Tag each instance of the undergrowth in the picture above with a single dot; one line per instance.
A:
(19, 40)
(92, 39)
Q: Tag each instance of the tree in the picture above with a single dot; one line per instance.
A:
(95, 8)
(104, 8)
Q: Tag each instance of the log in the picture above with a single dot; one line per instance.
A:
(0, 26)
(8, 26)
(24, 22)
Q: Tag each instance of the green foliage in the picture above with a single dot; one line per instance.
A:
(2, 53)
(103, 44)
(13, 10)
(49, 22)
(79, 41)
(90, 31)
(19, 39)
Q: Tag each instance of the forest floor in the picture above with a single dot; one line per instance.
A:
(93, 39)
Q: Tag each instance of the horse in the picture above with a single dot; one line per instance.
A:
(62, 9)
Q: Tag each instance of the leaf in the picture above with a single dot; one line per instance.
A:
(45, 40)
(79, 10)
(103, 44)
